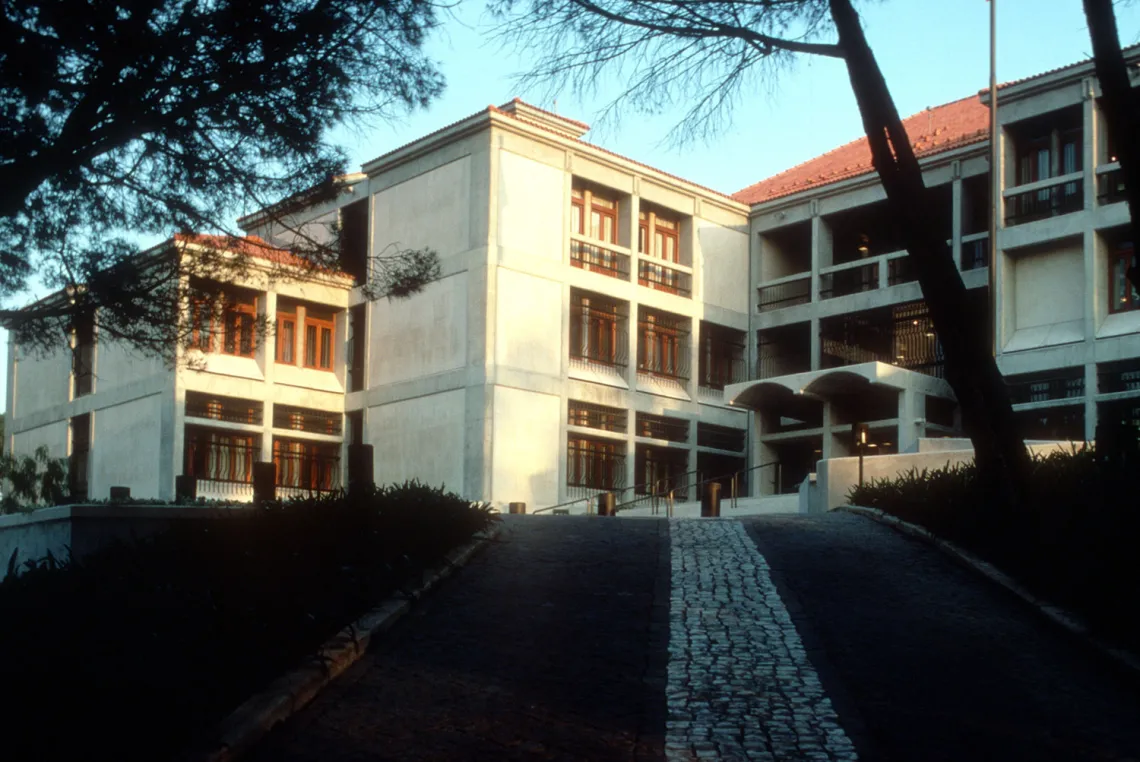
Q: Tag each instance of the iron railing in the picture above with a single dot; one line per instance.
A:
(1110, 187)
(594, 464)
(663, 347)
(849, 280)
(718, 375)
(230, 409)
(976, 253)
(720, 437)
(221, 459)
(662, 277)
(900, 270)
(599, 259)
(311, 471)
(304, 419)
(771, 362)
(1036, 388)
(1063, 198)
(1118, 377)
(594, 416)
(599, 335)
(662, 427)
(785, 294)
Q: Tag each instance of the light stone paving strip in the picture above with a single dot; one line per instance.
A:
(740, 686)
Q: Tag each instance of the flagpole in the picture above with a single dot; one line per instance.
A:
(995, 178)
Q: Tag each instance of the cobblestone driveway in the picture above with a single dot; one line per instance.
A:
(740, 684)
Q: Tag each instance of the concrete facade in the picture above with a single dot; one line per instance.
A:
(595, 326)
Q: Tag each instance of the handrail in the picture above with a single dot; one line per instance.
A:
(1038, 185)
(784, 279)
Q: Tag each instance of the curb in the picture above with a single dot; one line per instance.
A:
(290, 693)
(1066, 619)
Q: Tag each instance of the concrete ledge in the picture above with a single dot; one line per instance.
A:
(290, 693)
(1066, 619)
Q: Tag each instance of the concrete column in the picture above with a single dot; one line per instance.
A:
(630, 463)
(816, 346)
(1091, 390)
(956, 215)
(828, 446)
(694, 360)
(820, 249)
(912, 409)
(628, 220)
(266, 355)
(1088, 142)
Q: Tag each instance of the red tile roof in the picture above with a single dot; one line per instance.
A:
(938, 129)
(254, 246)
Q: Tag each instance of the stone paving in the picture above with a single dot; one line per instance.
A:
(740, 685)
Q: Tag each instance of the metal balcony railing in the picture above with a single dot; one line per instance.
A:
(1048, 198)
(785, 292)
(310, 471)
(304, 419)
(230, 409)
(1110, 186)
(900, 270)
(772, 363)
(849, 278)
(1044, 388)
(660, 276)
(599, 258)
(720, 437)
(717, 375)
(1118, 377)
(662, 427)
(593, 416)
(975, 252)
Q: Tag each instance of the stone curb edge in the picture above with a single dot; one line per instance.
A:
(1064, 618)
(290, 693)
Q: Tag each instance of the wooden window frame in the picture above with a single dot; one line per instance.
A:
(233, 316)
(282, 318)
(319, 324)
(196, 342)
(1122, 251)
(583, 199)
(648, 232)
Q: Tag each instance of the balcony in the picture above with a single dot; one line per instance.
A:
(721, 437)
(784, 292)
(663, 346)
(1045, 198)
(665, 276)
(1110, 184)
(598, 257)
(900, 269)
(1046, 387)
(229, 409)
(662, 427)
(849, 278)
(303, 419)
(594, 416)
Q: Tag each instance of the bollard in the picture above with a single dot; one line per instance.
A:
(264, 482)
(606, 504)
(186, 487)
(120, 493)
(516, 508)
(710, 502)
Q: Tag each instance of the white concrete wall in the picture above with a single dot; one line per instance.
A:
(39, 382)
(53, 435)
(1048, 297)
(420, 336)
(532, 204)
(429, 210)
(528, 323)
(126, 449)
(723, 262)
(419, 438)
(525, 452)
(116, 365)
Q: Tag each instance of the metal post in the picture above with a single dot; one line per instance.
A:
(995, 178)
(669, 505)
(734, 476)
(516, 508)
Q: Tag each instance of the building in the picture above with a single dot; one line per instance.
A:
(596, 329)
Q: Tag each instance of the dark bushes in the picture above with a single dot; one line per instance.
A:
(1075, 546)
(135, 651)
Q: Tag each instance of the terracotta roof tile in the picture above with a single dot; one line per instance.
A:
(938, 129)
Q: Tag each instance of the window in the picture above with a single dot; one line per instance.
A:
(594, 215)
(286, 350)
(222, 456)
(596, 416)
(595, 463)
(721, 356)
(597, 330)
(238, 315)
(83, 356)
(662, 346)
(319, 340)
(1125, 296)
(201, 324)
(307, 465)
(664, 235)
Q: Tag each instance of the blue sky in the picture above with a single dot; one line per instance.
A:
(930, 52)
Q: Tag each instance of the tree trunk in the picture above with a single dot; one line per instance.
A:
(999, 450)
(1118, 103)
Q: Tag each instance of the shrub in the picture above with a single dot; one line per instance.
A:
(1072, 546)
(32, 480)
(140, 646)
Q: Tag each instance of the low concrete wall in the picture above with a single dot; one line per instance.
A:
(745, 506)
(836, 477)
(75, 531)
